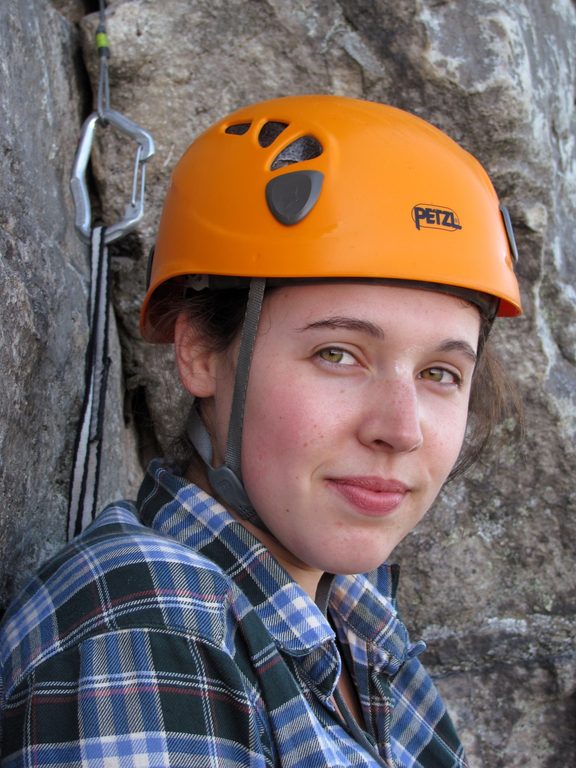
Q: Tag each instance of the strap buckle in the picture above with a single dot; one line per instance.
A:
(134, 210)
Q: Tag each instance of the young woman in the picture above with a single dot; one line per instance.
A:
(328, 270)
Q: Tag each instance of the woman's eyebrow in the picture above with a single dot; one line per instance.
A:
(458, 345)
(371, 329)
(345, 323)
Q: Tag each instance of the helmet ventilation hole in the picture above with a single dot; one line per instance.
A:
(238, 129)
(270, 132)
(304, 148)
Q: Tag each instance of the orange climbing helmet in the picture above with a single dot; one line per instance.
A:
(330, 187)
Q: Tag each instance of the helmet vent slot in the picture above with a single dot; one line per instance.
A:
(304, 148)
(270, 132)
(238, 129)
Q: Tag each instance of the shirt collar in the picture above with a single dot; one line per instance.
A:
(184, 511)
(364, 602)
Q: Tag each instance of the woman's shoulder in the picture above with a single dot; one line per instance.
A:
(118, 575)
(133, 561)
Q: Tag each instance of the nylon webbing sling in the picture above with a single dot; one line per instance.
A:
(85, 479)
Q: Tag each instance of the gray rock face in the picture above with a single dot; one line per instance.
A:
(43, 291)
(489, 578)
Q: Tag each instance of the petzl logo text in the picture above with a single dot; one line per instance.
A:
(435, 217)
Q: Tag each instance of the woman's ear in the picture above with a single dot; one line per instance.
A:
(195, 359)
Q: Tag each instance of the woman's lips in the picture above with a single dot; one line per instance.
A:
(371, 495)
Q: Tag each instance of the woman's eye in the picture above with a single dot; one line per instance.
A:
(441, 376)
(336, 356)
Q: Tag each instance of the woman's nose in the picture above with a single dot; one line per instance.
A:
(392, 420)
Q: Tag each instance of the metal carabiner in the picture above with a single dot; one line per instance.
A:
(135, 208)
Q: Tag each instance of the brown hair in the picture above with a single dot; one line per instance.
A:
(493, 398)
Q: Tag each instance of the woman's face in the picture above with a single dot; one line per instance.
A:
(355, 414)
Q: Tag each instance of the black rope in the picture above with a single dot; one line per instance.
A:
(85, 477)
(103, 49)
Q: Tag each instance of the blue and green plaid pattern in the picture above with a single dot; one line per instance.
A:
(168, 635)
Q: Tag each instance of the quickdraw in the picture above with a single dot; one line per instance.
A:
(85, 477)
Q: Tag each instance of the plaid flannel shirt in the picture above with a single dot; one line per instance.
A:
(171, 637)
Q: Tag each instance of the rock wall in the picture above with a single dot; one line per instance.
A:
(489, 577)
(44, 276)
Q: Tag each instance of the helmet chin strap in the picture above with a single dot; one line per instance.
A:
(226, 480)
